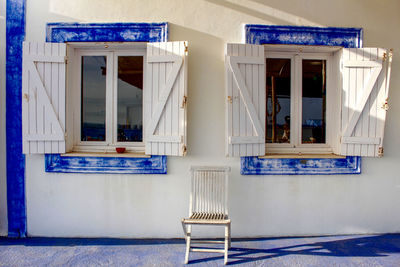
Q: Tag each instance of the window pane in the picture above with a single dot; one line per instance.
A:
(130, 94)
(278, 100)
(93, 106)
(314, 101)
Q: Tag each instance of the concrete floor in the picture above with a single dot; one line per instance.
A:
(355, 250)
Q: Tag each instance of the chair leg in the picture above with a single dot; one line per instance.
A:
(184, 229)
(188, 237)
(229, 240)
(226, 244)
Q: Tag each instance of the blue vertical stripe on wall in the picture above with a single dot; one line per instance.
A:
(15, 34)
(300, 35)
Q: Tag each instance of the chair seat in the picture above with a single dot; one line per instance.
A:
(207, 218)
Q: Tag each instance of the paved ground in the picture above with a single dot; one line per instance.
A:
(360, 250)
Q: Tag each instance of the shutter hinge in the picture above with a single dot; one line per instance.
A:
(229, 99)
(385, 105)
(184, 150)
(66, 60)
(26, 97)
(186, 48)
(184, 101)
(384, 57)
(380, 151)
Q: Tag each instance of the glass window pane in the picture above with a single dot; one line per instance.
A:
(314, 101)
(93, 106)
(278, 100)
(130, 94)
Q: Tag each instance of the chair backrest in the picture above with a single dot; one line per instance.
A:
(209, 190)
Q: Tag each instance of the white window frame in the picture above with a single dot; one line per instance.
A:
(111, 51)
(297, 54)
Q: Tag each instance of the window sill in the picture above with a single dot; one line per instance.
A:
(300, 166)
(301, 156)
(106, 154)
(111, 163)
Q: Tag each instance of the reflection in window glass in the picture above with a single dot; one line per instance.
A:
(93, 105)
(278, 100)
(314, 101)
(130, 94)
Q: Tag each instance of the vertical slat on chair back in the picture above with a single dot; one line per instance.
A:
(209, 190)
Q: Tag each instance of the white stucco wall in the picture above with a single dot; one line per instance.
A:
(152, 205)
(3, 184)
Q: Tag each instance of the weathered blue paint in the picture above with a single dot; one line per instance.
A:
(272, 34)
(299, 35)
(256, 166)
(153, 165)
(15, 32)
(106, 32)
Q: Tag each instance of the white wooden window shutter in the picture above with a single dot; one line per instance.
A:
(245, 90)
(366, 78)
(43, 93)
(165, 98)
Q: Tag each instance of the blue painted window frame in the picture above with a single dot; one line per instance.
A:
(300, 35)
(106, 32)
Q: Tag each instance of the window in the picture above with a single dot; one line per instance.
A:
(118, 94)
(307, 101)
(296, 101)
(109, 87)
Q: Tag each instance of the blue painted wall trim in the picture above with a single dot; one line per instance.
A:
(15, 35)
(272, 34)
(106, 32)
(153, 165)
(256, 166)
(300, 35)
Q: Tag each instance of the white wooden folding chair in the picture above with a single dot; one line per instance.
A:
(208, 206)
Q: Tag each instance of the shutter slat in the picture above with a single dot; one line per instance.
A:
(165, 133)
(43, 98)
(245, 66)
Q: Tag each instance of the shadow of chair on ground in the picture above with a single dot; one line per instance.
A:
(343, 246)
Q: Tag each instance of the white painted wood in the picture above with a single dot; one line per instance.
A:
(43, 101)
(164, 97)
(334, 94)
(360, 140)
(365, 81)
(208, 205)
(245, 90)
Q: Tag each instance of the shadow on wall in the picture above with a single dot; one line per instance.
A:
(265, 12)
(206, 90)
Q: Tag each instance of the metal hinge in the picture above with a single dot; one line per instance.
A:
(230, 99)
(385, 105)
(184, 150)
(380, 151)
(186, 48)
(384, 57)
(184, 101)
(26, 97)
(66, 60)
